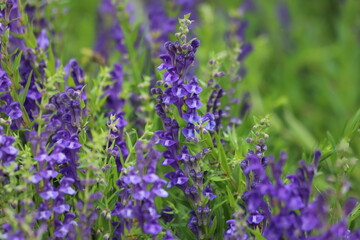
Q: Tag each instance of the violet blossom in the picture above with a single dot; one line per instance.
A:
(143, 185)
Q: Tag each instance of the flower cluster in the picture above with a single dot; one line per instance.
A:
(64, 113)
(161, 25)
(109, 30)
(52, 131)
(184, 95)
(81, 170)
(295, 196)
(113, 102)
(140, 185)
(180, 92)
(117, 145)
(296, 217)
(213, 104)
(68, 115)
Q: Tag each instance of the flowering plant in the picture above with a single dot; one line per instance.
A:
(153, 135)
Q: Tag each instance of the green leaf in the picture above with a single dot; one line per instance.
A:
(15, 70)
(5, 38)
(352, 125)
(218, 179)
(231, 197)
(213, 227)
(30, 38)
(300, 131)
(355, 213)
(187, 16)
(256, 233)
(331, 139)
(26, 89)
(222, 156)
(219, 205)
(51, 61)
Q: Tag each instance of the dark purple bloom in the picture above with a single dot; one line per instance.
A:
(169, 236)
(108, 30)
(193, 102)
(169, 97)
(4, 81)
(8, 152)
(208, 192)
(114, 102)
(245, 50)
(209, 119)
(189, 130)
(13, 110)
(42, 40)
(63, 228)
(75, 71)
(183, 94)
(143, 185)
(283, 14)
(167, 214)
(167, 62)
(177, 179)
(193, 86)
(171, 75)
(179, 91)
(191, 116)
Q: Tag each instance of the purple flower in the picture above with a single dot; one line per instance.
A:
(208, 192)
(8, 152)
(108, 30)
(4, 81)
(176, 179)
(119, 150)
(49, 194)
(171, 75)
(183, 94)
(113, 101)
(245, 50)
(169, 236)
(43, 213)
(42, 40)
(67, 140)
(167, 214)
(169, 97)
(191, 116)
(65, 186)
(63, 228)
(189, 130)
(167, 62)
(193, 102)
(73, 69)
(179, 91)
(142, 184)
(13, 110)
(152, 228)
(193, 86)
(160, 23)
(60, 206)
(210, 121)
(283, 14)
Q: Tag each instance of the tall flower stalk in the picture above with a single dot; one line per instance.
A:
(182, 91)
